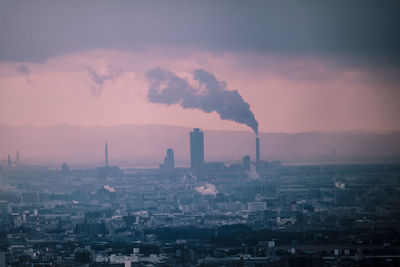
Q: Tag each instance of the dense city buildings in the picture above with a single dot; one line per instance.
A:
(246, 213)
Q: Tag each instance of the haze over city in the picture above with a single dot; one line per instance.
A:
(199, 133)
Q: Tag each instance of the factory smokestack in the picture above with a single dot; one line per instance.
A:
(209, 95)
(106, 152)
(257, 149)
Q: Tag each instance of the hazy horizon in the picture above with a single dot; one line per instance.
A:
(373, 131)
(145, 145)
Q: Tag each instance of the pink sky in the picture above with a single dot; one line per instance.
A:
(286, 93)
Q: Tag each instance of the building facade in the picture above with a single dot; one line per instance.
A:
(196, 148)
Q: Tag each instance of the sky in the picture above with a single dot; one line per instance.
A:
(299, 65)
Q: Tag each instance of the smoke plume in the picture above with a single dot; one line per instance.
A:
(207, 189)
(211, 95)
(25, 71)
(109, 188)
(252, 173)
(99, 78)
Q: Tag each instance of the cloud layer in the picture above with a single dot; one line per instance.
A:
(360, 31)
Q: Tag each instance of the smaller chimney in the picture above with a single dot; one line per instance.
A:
(106, 156)
(9, 161)
(257, 149)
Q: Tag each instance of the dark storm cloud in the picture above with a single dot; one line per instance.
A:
(363, 30)
(211, 95)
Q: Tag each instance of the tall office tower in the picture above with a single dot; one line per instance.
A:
(17, 157)
(106, 155)
(257, 149)
(169, 164)
(196, 148)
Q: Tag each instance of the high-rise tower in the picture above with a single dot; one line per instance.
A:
(169, 160)
(196, 148)
(106, 152)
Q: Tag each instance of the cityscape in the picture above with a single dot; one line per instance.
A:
(200, 133)
(252, 213)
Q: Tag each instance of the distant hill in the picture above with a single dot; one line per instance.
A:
(145, 145)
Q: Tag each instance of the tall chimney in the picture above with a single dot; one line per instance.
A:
(106, 156)
(257, 149)
(17, 157)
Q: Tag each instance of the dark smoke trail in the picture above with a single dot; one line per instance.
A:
(25, 71)
(211, 95)
(100, 80)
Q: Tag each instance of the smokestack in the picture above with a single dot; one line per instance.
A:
(257, 149)
(106, 156)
